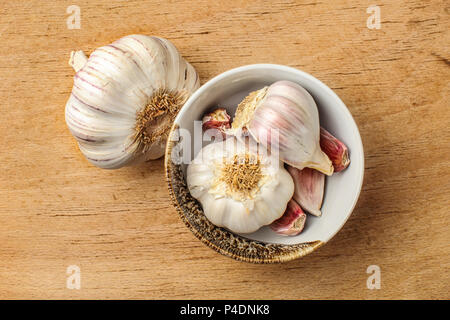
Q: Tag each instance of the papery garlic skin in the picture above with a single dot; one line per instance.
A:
(287, 107)
(235, 210)
(110, 110)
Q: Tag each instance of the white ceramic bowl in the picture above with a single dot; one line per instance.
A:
(341, 189)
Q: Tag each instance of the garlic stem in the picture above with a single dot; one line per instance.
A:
(77, 60)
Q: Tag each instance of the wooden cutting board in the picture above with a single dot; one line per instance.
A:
(119, 228)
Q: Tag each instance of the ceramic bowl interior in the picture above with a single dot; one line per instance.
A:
(341, 189)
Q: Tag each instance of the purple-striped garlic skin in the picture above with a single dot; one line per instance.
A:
(125, 97)
(309, 186)
(292, 222)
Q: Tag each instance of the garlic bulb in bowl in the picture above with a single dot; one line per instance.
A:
(239, 188)
(287, 107)
(125, 97)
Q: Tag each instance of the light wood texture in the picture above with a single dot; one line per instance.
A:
(119, 226)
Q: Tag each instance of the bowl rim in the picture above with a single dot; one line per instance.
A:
(284, 68)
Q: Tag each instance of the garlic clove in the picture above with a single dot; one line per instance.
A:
(309, 187)
(77, 60)
(335, 149)
(291, 222)
(284, 117)
(216, 122)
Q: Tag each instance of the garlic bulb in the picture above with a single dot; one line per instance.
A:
(239, 189)
(287, 107)
(125, 97)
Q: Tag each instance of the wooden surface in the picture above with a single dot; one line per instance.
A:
(119, 227)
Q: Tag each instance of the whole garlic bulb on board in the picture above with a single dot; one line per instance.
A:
(239, 189)
(125, 98)
(287, 107)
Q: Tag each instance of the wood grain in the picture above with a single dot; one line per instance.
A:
(119, 227)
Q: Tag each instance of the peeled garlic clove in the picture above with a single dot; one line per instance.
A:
(335, 149)
(309, 187)
(125, 97)
(291, 222)
(218, 121)
(284, 116)
(239, 189)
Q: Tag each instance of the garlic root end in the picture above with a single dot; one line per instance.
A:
(247, 108)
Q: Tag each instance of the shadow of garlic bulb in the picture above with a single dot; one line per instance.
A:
(240, 188)
(125, 98)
